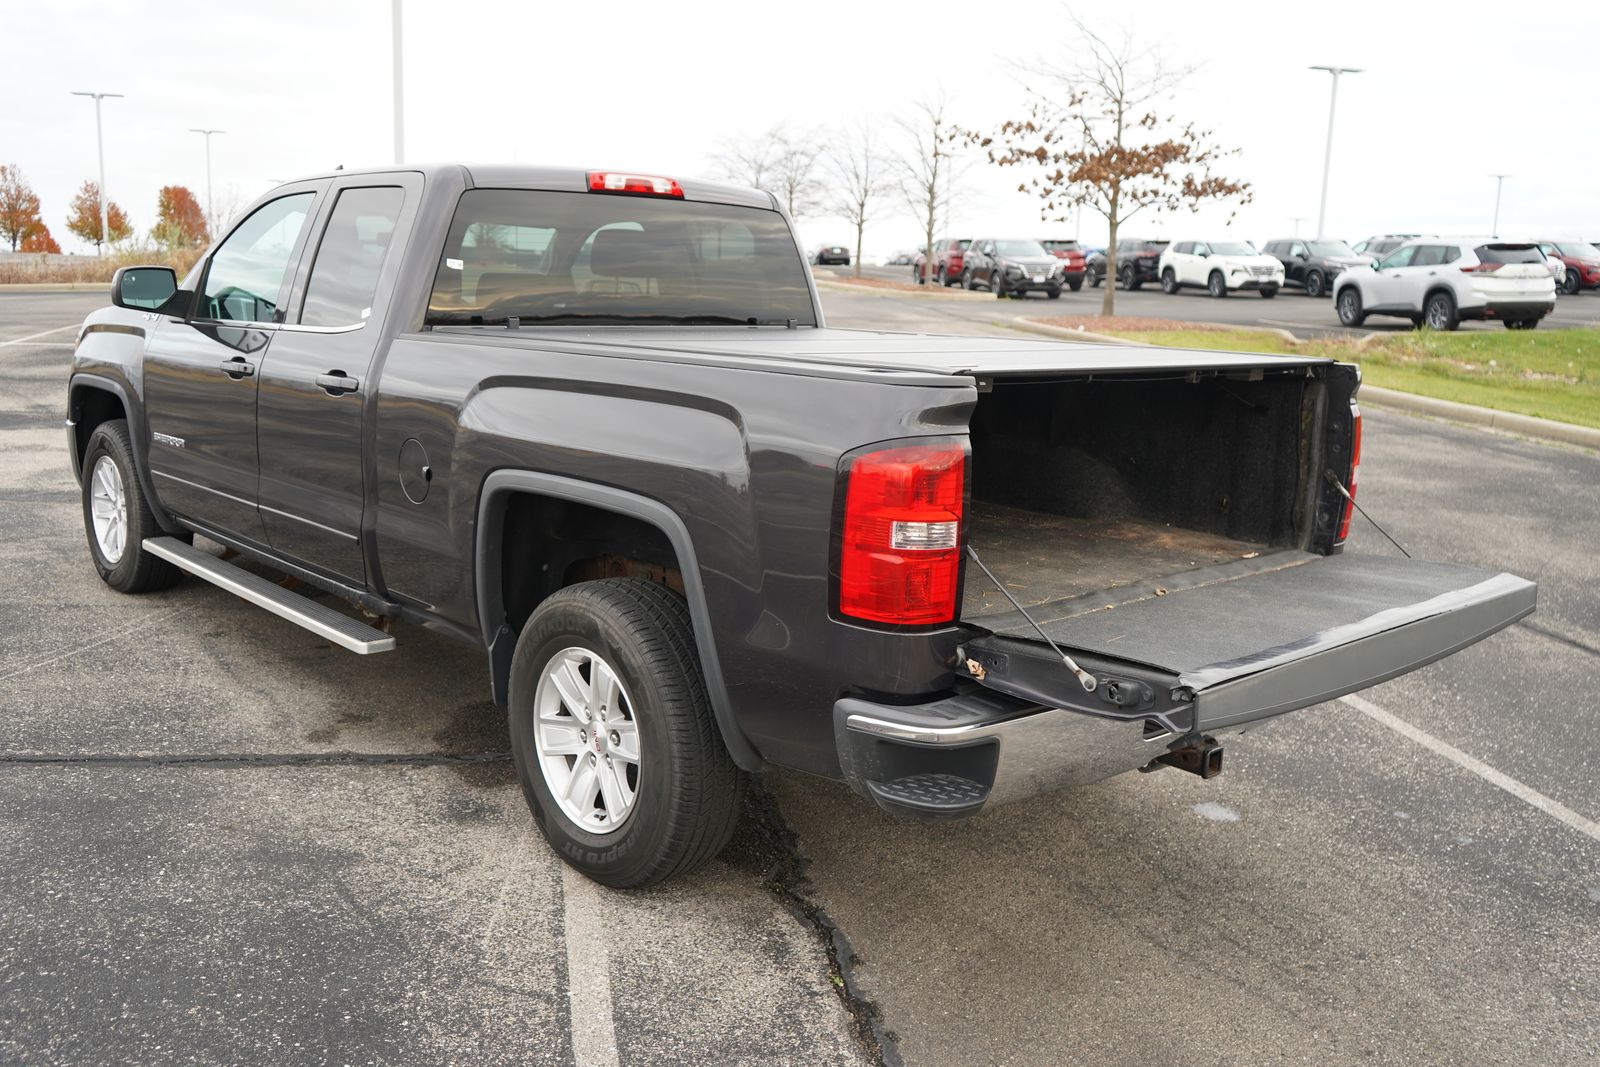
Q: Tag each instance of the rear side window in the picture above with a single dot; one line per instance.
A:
(344, 277)
(562, 257)
(1509, 253)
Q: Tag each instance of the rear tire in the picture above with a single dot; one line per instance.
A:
(1440, 312)
(1169, 282)
(1348, 304)
(117, 517)
(686, 792)
(1316, 283)
(1217, 285)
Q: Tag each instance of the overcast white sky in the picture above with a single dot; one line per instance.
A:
(1452, 93)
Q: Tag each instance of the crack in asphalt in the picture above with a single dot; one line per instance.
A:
(242, 760)
(769, 847)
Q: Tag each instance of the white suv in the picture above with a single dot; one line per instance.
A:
(1442, 280)
(1219, 267)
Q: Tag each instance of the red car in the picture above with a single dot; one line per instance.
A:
(949, 255)
(1074, 269)
(1582, 260)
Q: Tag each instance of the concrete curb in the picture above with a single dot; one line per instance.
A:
(1523, 425)
(60, 287)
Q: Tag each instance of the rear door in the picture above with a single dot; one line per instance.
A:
(316, 385)
(201, 371)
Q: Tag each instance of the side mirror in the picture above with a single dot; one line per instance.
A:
(143, 288)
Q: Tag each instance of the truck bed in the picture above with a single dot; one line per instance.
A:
(1065, 565)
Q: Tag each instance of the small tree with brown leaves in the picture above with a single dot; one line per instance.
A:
(83, 216)
(19, 207)
(1098, 141)
(858, 180)
(38, 239)
(179, 221)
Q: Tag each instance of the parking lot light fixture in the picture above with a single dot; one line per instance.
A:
(1499, 181)
(210, 217)
(100, 148)
(1327, 152)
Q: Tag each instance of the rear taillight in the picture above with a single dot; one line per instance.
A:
(1482, 268)
(1355, 471)
(602, 181)
(900, 551)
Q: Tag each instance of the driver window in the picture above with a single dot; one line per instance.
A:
(1400, 257)
(246, 274)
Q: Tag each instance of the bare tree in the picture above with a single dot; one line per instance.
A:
(859, 180)
(781, 161)
(928, 168)
(1097, 140)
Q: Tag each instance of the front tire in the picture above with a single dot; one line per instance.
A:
(1169, 282)
(1351, 312)
(653, 792)
(1440, 312)
(117, 517)
(1216, 285)
(1316, 283)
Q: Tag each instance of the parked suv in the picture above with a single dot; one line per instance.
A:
(1136, 263)
(1012, 267)
(948, 256)
(1440, 281)
(1312, 265)
(1582, 261)
(1219, 267)
(1072, 261)
(1379, 245)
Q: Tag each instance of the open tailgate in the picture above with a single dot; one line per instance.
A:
(1209, 650)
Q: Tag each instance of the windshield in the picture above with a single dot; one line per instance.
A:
(1330, 248)
(1231, 248)
(1578, 250)
(602, 258)
(1020, 249)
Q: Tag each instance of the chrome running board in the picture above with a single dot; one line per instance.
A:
(320, 619)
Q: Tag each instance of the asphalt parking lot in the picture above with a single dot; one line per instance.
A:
(228, 841)
(1290, 310)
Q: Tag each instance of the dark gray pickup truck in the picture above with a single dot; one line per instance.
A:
(593, 423)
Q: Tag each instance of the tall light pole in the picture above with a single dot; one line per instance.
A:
(100, 148)
(1499, 180)
(399, 93)
(1327, 152)
(210, 218)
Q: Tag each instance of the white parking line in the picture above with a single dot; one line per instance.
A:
(594, 1035)
(41, 333)
(1526, 794)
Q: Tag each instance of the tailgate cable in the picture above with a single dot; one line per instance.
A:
(1333, 480)
(1085, 679)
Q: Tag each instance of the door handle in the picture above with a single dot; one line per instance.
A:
(236, 368)
(337, 383)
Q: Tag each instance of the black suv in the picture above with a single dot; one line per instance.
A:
(1136, 263)
(1313, 265)
(1012, 267)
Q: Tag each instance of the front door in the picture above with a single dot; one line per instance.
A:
(316, 383)
(201, 372)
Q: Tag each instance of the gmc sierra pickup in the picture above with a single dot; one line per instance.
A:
(593, 423)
